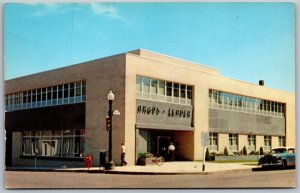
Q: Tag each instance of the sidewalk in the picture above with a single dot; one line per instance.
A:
(167, 168)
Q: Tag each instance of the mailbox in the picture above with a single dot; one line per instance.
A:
(88, 161)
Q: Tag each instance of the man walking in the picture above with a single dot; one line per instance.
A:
(171, 151)
(123, 162)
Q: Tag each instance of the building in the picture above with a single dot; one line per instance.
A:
(61, 113)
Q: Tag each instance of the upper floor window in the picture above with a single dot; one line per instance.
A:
(47, 96)
(234, 102)
(165, 91)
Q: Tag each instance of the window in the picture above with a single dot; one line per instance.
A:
(72, 89)
(60, 91)
(169, 88)
(49, 92)
(267, 143)
(66, 90)
(233, 142)
(153, 86)
(281, 141)
(78, 89)
(163, 91)
(57, 143)
(189, 92)
(182, 91)
(213, 142)
(138, 83)
(246, 104)
(34, 96)
(46, 96)
(83, 89)
(16, 98)
(291, 151)
(29, 97)
(68, 145)
(176, 90)
(54, 92)
(146, 85)
(25, 97)
(38, 95)
(251, 142)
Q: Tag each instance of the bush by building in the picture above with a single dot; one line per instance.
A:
(244, 151)
(226, 151)
(261, 151)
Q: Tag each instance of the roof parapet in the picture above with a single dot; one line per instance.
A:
(170, 59)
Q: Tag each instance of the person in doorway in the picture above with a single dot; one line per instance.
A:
(171, 151)
(123, 162)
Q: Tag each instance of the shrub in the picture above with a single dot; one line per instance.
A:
(212, 156)
(254, 153)
(261, 151)
(207, 155)
(225, 151)
(144, 155)
(244, 151)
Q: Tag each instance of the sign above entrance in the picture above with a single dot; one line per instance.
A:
(152, 112)
(147, 110)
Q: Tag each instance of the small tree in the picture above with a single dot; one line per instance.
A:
(207, 155)
(261, 151)
(244, 150)
(225, 151)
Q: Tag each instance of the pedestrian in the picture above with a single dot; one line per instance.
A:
(123, 162)
(171, 151)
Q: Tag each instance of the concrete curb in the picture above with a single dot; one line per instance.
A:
(156, 173)
(127, 172)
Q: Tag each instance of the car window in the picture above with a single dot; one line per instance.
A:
(277, 151)
(291, 151)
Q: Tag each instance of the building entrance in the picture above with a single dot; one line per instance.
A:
(157, 141)
(163, 143)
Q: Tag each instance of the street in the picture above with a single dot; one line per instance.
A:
(228, 179)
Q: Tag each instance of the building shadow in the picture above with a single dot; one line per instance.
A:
(271, 168)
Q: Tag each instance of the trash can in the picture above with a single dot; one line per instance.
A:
(102, 158)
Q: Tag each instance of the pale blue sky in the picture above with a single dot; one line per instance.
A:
(245, 41)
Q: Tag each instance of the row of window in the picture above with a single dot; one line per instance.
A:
(233, 102)
(54, 143)
(251, 144)
(73, 92)
(164, 91)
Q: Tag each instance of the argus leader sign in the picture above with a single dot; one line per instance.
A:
(152, 112)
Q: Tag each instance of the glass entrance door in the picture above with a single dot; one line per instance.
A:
(163, 143)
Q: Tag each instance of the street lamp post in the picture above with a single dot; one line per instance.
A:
(110, 98)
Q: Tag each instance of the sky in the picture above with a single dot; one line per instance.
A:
(245, 41)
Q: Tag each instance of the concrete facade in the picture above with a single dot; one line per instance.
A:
(120, 72)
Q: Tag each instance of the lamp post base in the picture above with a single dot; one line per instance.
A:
(110, 165)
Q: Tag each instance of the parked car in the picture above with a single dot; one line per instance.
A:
(283, 157)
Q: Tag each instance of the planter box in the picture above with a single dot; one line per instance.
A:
(237, 158)
(144, 161)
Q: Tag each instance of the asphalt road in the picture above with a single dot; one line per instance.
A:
(229, 179)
